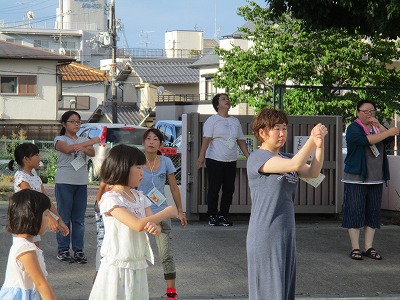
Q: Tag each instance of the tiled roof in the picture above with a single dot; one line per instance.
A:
(206, 60)
(238, 33)
(78, 72)
(15, 51)
(127, 113)
(166, 71)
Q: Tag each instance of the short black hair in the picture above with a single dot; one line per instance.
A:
(25, 212)
(215, 100)
(362, 102)
(116, 167)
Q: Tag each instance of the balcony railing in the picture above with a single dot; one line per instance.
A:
(185, 97)
(158, 53)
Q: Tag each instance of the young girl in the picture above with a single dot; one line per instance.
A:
(126, 215)
(26, 273)
(158, 168)
(27, 157)
(71, 185)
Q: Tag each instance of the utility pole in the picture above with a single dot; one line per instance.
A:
(113, 61)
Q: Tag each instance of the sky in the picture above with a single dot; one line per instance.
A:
(146, 21)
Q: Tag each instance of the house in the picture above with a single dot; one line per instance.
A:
(29, 86)
(140, 81)
(80, 31)
(83, 89)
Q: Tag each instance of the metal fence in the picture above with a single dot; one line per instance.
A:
(7, 147)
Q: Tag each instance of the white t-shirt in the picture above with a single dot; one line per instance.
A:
(18, 284)
(224, 133)
(33, 180)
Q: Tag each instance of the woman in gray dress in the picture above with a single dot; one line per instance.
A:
(273, 177)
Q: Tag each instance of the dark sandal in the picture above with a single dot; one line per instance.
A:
(356, 254)
(371, 253)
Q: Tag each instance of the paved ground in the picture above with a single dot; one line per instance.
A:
(211, 262)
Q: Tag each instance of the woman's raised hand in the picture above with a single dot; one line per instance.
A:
(318, 133)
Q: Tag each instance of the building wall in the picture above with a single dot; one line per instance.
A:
(43, 106)
(86, 15)
(178, 42)
(96, 91)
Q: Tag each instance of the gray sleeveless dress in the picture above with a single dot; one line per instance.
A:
(271, 238)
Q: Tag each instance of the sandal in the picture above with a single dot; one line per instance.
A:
(371, 253)
(356, 254)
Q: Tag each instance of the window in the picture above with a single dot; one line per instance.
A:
(41, 44)
(15, 41)
(24, 85)
(27, 85)
(209, 87)
(9, 85)
(74, 102)
(68, 45)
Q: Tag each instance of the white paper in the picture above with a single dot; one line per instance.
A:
(315, 182)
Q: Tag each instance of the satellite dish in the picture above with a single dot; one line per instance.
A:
(62, 51)
(160, 90)
(30, 15)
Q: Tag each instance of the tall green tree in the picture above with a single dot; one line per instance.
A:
(369, 17)
(285, 50)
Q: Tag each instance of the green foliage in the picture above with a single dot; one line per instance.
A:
(285, 50)
(370, 17)
(7, 151)
(51, 167)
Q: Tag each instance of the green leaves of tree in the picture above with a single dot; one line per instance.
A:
(284, 50)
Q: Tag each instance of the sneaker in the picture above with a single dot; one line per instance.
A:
(213, 220)
(171, 294)
(64, 256)
(224, 221)
(80, 257)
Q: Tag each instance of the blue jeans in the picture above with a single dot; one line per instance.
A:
(71, 205)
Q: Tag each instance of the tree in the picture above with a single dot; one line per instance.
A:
(371, 17)
(285, 50)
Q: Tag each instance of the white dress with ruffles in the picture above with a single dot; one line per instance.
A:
(125, 252)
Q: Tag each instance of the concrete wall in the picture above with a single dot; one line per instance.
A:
(42, 106)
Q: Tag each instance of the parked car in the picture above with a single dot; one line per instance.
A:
(110, 135)
(172, 130)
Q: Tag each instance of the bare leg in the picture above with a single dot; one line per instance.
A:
(170, 283)
(369, 234)
(354, 234)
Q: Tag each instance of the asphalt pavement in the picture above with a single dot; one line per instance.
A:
(211, 261)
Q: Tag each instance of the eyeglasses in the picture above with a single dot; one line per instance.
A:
(372, 111)
(75, 122)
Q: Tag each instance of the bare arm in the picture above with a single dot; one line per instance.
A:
(139, 224)
(86, 147)
(202, 155)
(176, 195)
(32, 266)
(384, 132)
(298, 162)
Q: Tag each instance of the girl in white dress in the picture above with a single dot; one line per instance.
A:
(126, 215)
(25, 277)
(27, 157)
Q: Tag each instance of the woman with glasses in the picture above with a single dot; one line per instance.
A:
(366, 169)
(71, 185)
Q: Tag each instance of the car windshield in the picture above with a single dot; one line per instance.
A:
(131, 136)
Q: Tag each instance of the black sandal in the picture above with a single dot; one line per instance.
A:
(356, 254)
(371, 253)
